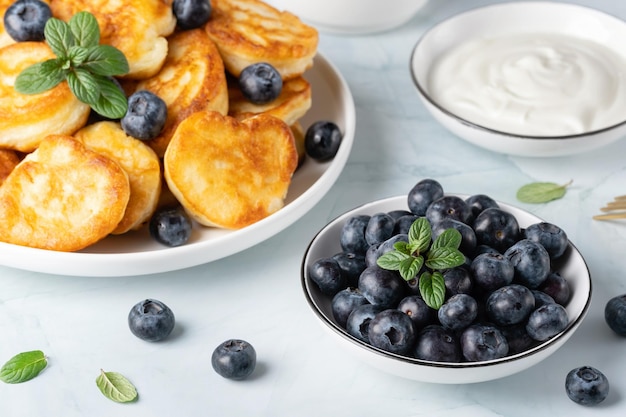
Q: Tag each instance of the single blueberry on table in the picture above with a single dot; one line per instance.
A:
(496, 228)
(322, 140)
(393, 331)
(234, 359)
(328, 276)
(146, 115)
(25, 20)
(531, 262)
(344, 302)
(422, 195)
(435, 343)
(191, 14)
(359, 320)
(151, 320)
(547, 321)
(586, 385)
(615, 314)
(260, 83)
(170, 226)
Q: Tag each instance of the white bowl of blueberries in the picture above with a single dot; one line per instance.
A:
(446, 288)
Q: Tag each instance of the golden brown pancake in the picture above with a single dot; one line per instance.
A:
(251, 31)
(137, 28)
(8, 162)
(140, 163)
(62, 197)
(292, 103)
(227, 173)
(191, 79)
(298, 135)
(26, 119)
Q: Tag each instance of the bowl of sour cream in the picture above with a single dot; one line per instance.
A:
(535, 79)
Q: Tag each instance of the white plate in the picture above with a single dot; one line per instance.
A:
(572, 266)
(136, 253)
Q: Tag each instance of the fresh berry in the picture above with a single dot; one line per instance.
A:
(359, 320)
(351, 265)
(379, 228)
(458, 312)
(191, 14)
(492, 271)
(327, 275)
(586, 386)
(25, 20)
(448, 207)
(511, 304)
(531, 262)
(418, 311)
(482, 342)
(170, 226)
(146, 115)
(435, 343)
(352, 238)
(496, 228)
(479, 203)
(344, 302)
(382, 287)
(615, 314)
(422, 195)
(541, 298)
(556, 287)
(550, 236)
(234, 359)
(403, 224)
(457, 281)
(322, 140)
(260, 83)
(547, 321)
(151, 320)
(393, 331)
(468, 237)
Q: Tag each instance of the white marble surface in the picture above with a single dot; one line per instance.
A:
(80, 323)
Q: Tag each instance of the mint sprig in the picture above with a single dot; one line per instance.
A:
(409, 257)
(80, 60)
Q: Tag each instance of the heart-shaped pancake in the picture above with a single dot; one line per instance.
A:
(62, 197)
(228, 173)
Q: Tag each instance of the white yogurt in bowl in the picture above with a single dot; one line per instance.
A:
(526, 78)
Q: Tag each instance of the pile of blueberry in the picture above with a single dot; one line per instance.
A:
(505, 298)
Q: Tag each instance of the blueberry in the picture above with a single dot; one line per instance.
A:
(351, 265)
(396, 214)
(542, 298)
(170, 226)
(418, 311)
(344, 302)
(448, 207)
(483, 342)
(615, 314)
(234, 359)
(379, 228)
(371, 255)
(327, 275)
(260, 83)
(457, 281)
(435, 343)
(352, 238)
(547, 321)
(322, 140)
(422, 195)
(530, 261)
(388, 245)
(511, 304)
(556, 287)
(25, 20)
(191, 14)
(392, 330)
(480, 202)
(492, 271)
(496, 228)
(480, 249)
(146, 115)
(468, 237)
(517, 338)
(586, 385)
(550, 236)
(359, 320)
(404, 223)
(382, 287)
(458, 312)
(151, 320)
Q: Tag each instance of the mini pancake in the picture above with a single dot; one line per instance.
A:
(137, 28)
(140, 163)
(227, 173)
(292, 103)
(299, 134)
(62, 197)
(251, 31)
(191, 79)
(26, 119)
(8, 161)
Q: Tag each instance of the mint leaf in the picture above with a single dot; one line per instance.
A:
(450, 238)
(106, 60)
(116, 387)
(77, 55)
(112, 102)
(39, 77)
(84, 85)
(420, 235)
(402, 246)
(392, 260)
(444, 258)
(432, 289)
(23, 367)
(541, 192)
(85, 29)
(410, 267)
(58, 37)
